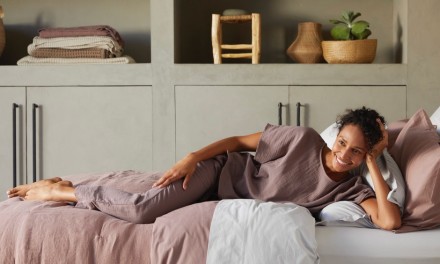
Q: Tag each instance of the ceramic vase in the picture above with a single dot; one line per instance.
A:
(306, 48)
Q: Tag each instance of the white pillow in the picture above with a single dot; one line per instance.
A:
(435, 119)
(329, 135)
(344, 213)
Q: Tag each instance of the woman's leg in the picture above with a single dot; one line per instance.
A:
(146, 207)
(135, 207)
(21, 190)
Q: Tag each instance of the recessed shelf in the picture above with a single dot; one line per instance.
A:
(23, 19)
(192, 35)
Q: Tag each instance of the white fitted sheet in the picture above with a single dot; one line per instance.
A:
(363, 245)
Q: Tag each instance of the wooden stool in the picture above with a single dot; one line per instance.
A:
(218, 46)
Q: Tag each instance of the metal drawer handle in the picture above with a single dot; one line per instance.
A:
(14, 144)
(34, 142)
(298, 113)
(280, 114)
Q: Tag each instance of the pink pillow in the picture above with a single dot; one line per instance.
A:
(417, 152)
(394, 129)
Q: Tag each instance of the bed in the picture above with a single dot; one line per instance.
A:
(54, 232)
(246, 231)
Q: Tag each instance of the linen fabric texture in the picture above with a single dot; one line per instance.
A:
(287, 168)
(261, 232)
(417, 152)
(345, 213)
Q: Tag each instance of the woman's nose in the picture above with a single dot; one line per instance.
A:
(345, 154)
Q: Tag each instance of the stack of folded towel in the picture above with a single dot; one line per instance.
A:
(77, 45)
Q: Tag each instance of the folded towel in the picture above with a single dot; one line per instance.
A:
(71, 53)
(29, 60)
(95, 30)
(100, 42)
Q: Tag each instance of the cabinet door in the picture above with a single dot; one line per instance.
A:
(89, 129)
(206, 114)
(322, 104)
(8, 97)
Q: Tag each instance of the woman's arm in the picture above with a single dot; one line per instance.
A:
(383, 213)
(186, 166)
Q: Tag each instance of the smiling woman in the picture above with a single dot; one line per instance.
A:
(348, 152)
(291, 164)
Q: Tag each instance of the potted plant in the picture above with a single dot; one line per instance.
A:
(350, 44)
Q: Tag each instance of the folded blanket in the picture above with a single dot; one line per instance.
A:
(95, 30)
(100, 42)
(29, 60)
(69, 53)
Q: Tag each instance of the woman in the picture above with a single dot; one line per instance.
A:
(291, 164)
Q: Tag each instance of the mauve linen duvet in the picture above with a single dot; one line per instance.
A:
(52, 232)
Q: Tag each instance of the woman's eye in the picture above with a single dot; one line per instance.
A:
(357, 152)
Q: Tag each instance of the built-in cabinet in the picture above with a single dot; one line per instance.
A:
(320, 105)
(205, 114)
(188, 101)
(73, 130)
(8, 112)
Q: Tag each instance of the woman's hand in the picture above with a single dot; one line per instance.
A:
(182, 169)
(186, 167)
(380, 146)
(382, 212)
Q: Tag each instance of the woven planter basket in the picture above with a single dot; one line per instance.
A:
(349, 51)
(2, 32)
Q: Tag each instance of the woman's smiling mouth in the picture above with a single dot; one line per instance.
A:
(341, 162)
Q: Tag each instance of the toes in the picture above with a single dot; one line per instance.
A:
(12, 195)
(65, 183)
(57, 179)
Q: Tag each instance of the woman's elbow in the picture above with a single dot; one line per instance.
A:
(391, 224)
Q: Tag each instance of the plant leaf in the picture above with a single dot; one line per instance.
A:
(334, 21)
(363, 35)
(359, 27)
(346, 16)
(355, 16)
(340, 32)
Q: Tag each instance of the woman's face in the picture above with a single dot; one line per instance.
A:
(349, 149)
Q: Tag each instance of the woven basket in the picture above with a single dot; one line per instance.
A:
(2, 32)
(349, 51)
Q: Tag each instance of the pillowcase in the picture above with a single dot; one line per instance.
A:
(394, 129)
(329, 135)
(344, 213)
(417, 153)
(435, 119)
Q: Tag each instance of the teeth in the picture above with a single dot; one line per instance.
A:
(341, 162)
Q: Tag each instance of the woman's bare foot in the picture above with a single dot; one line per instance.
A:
(21, 190)
(62, 191)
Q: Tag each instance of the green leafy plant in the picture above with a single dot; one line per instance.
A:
(348, 29)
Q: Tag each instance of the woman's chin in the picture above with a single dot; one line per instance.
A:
(341, 168)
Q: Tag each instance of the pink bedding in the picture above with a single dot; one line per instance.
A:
(52, 232)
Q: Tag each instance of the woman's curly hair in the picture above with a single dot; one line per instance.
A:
(366, 119)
